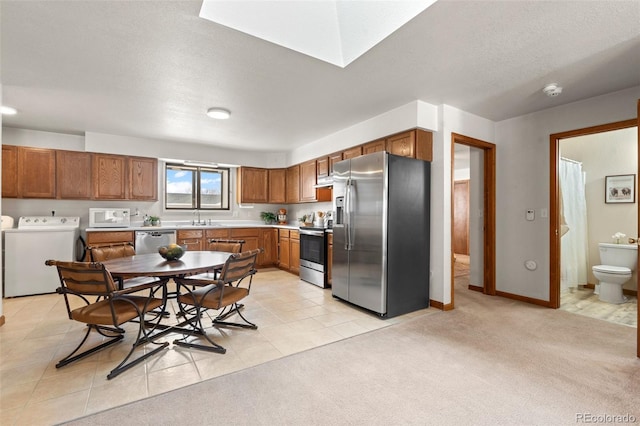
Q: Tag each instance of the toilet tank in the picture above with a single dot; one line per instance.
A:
(619, 255)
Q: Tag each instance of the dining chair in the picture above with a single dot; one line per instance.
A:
(102, 252)
(221, 294)
(231, 246)
(217, 244)
(81, 281)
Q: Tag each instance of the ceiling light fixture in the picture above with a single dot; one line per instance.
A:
(219, 113)
(552, 90)
(7, 110)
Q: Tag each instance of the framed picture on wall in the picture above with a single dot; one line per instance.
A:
(620, 189)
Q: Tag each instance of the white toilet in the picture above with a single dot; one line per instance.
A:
(618, 263)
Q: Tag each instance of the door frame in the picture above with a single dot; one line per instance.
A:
(554, 234)
(554, 202)
(489, 211)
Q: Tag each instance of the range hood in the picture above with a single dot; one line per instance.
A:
(324, 182)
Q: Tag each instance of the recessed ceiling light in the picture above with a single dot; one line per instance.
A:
(219, 113)
(7, 110)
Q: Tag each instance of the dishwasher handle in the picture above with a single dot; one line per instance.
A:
(154, 233)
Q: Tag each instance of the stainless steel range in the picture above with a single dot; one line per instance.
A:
(313, 256)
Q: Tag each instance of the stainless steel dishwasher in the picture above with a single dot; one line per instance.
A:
(149, 241)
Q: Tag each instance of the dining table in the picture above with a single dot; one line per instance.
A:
(154, 265)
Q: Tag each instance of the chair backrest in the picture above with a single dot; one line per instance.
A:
(100, 253)
(239, 266)
(84, 278)
(230, 246)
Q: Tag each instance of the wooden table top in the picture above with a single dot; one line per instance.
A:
(153, 265)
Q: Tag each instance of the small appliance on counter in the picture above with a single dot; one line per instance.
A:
(319, 220)
(328, 222)
(7, 222)
(282, 217)
(109, 218)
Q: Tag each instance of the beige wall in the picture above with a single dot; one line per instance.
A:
(606, 154)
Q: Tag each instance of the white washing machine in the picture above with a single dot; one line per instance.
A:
(27, 247)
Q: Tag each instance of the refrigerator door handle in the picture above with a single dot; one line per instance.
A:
(347, 216)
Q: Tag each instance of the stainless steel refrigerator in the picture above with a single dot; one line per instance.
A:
(381, 208)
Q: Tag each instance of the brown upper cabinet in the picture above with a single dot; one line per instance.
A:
(424, 145)
(322, 167)
(118, 177)
(36, 172)
(374, 146)
(29, 172)
(109, 177)
(143, 178)
(356, 151)
(414, 143)
(253, 185)
(277, 186)
(403, 144)
(333, 159)
(293, 184)
(73, 175)
(308, 175)
(9, 171)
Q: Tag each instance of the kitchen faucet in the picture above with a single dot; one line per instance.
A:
(196, 212)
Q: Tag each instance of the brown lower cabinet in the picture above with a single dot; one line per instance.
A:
(107, 237)
(294, 252)
(192, 238)
(265, 238)
(289, 250)
(198, 239)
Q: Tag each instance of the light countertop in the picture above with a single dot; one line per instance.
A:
(177, 225)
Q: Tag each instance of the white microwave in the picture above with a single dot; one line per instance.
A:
(109, 218)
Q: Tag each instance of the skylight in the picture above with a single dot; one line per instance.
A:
(334, 31)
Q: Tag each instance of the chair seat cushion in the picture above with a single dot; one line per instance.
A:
(209, 296)
(99, 313)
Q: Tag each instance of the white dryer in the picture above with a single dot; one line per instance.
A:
(27, 247)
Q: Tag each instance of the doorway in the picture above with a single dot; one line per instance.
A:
(472, 215)
(558, 227)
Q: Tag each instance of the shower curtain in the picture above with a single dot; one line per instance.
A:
(574, 249)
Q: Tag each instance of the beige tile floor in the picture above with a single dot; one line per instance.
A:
(292, 316)
(583, 301)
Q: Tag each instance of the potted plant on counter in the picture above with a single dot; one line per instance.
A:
(154, 220)
(268, 217)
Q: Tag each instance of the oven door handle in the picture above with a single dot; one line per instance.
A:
(314, 233)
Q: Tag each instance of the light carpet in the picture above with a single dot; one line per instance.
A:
(491, 361)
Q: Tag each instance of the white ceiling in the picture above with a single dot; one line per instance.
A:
(152, 68)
